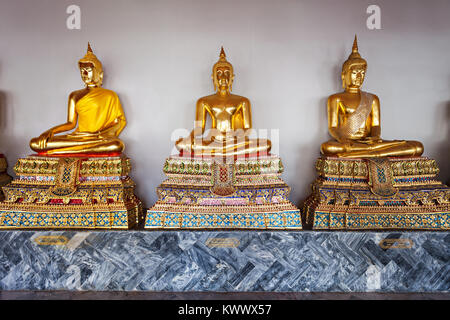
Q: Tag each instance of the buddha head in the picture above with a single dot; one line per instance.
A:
(91, 69)
(353, 69)
(222, 73)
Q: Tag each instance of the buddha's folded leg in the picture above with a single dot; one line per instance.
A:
(184, 144)
(105, 146)
(55, 143)
(249, 146)
(390, 149)
(332, 148)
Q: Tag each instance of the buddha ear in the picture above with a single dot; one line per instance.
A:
(214, 82)
(231, 82)
(343, 79)
(100, 77)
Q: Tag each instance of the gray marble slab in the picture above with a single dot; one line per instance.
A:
(225, 261)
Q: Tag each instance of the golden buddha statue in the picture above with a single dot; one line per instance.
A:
(354, 119)
(99, 115)
(231, 120)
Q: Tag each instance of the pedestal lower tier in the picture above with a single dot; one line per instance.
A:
(393, 193)
(64, 192)
(247, 193)
(238, 261)
(164, 216)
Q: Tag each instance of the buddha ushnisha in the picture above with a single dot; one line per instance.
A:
(354, 119)
(99, 115)
(231, 120)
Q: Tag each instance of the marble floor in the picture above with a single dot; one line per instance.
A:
(228, 264)
(133, 295)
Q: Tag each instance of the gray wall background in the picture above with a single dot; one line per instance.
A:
(287, 56)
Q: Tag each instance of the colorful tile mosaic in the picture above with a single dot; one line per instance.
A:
(202, 194)
(54, 192)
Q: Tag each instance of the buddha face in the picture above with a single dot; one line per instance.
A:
(223, 78)
(89, 74)
(354, 76)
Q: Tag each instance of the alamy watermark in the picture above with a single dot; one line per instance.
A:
(73, 21)
(373, 22)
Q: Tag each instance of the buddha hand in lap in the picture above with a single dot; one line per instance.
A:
(97, 111)
(231, 120)
(354, 119)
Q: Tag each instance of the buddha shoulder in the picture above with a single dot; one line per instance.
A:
(342, 96)
(374, 97)
(107, 92)
(335, 98)
(238, 100)
(78, 94)
(205, 100)
(242, 100)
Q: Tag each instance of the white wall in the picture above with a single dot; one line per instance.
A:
(287, 55)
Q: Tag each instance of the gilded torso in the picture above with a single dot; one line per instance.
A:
(226, 114)
(350, 125)
(97, 109)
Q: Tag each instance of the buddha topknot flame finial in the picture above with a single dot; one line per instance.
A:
(222, 56)
(355, 45)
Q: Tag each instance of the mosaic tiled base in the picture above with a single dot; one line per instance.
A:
(252, 220)
(51, 192)
(343, 196)
(248, 193)
(226, 261)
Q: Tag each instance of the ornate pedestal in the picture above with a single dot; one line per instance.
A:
(202, 193)
(391, 193)
(69, 192)
(4, 177)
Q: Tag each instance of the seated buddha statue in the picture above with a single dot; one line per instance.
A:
(354, 119)
(230, 120)
(96, 110)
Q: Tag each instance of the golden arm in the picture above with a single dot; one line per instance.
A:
(333, 118)
(69, 125)
(200, 117)
(375, 129)
(246, 114)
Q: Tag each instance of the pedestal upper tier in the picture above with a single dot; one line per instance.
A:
(415, 170)
(242, 166)
(40, 167)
